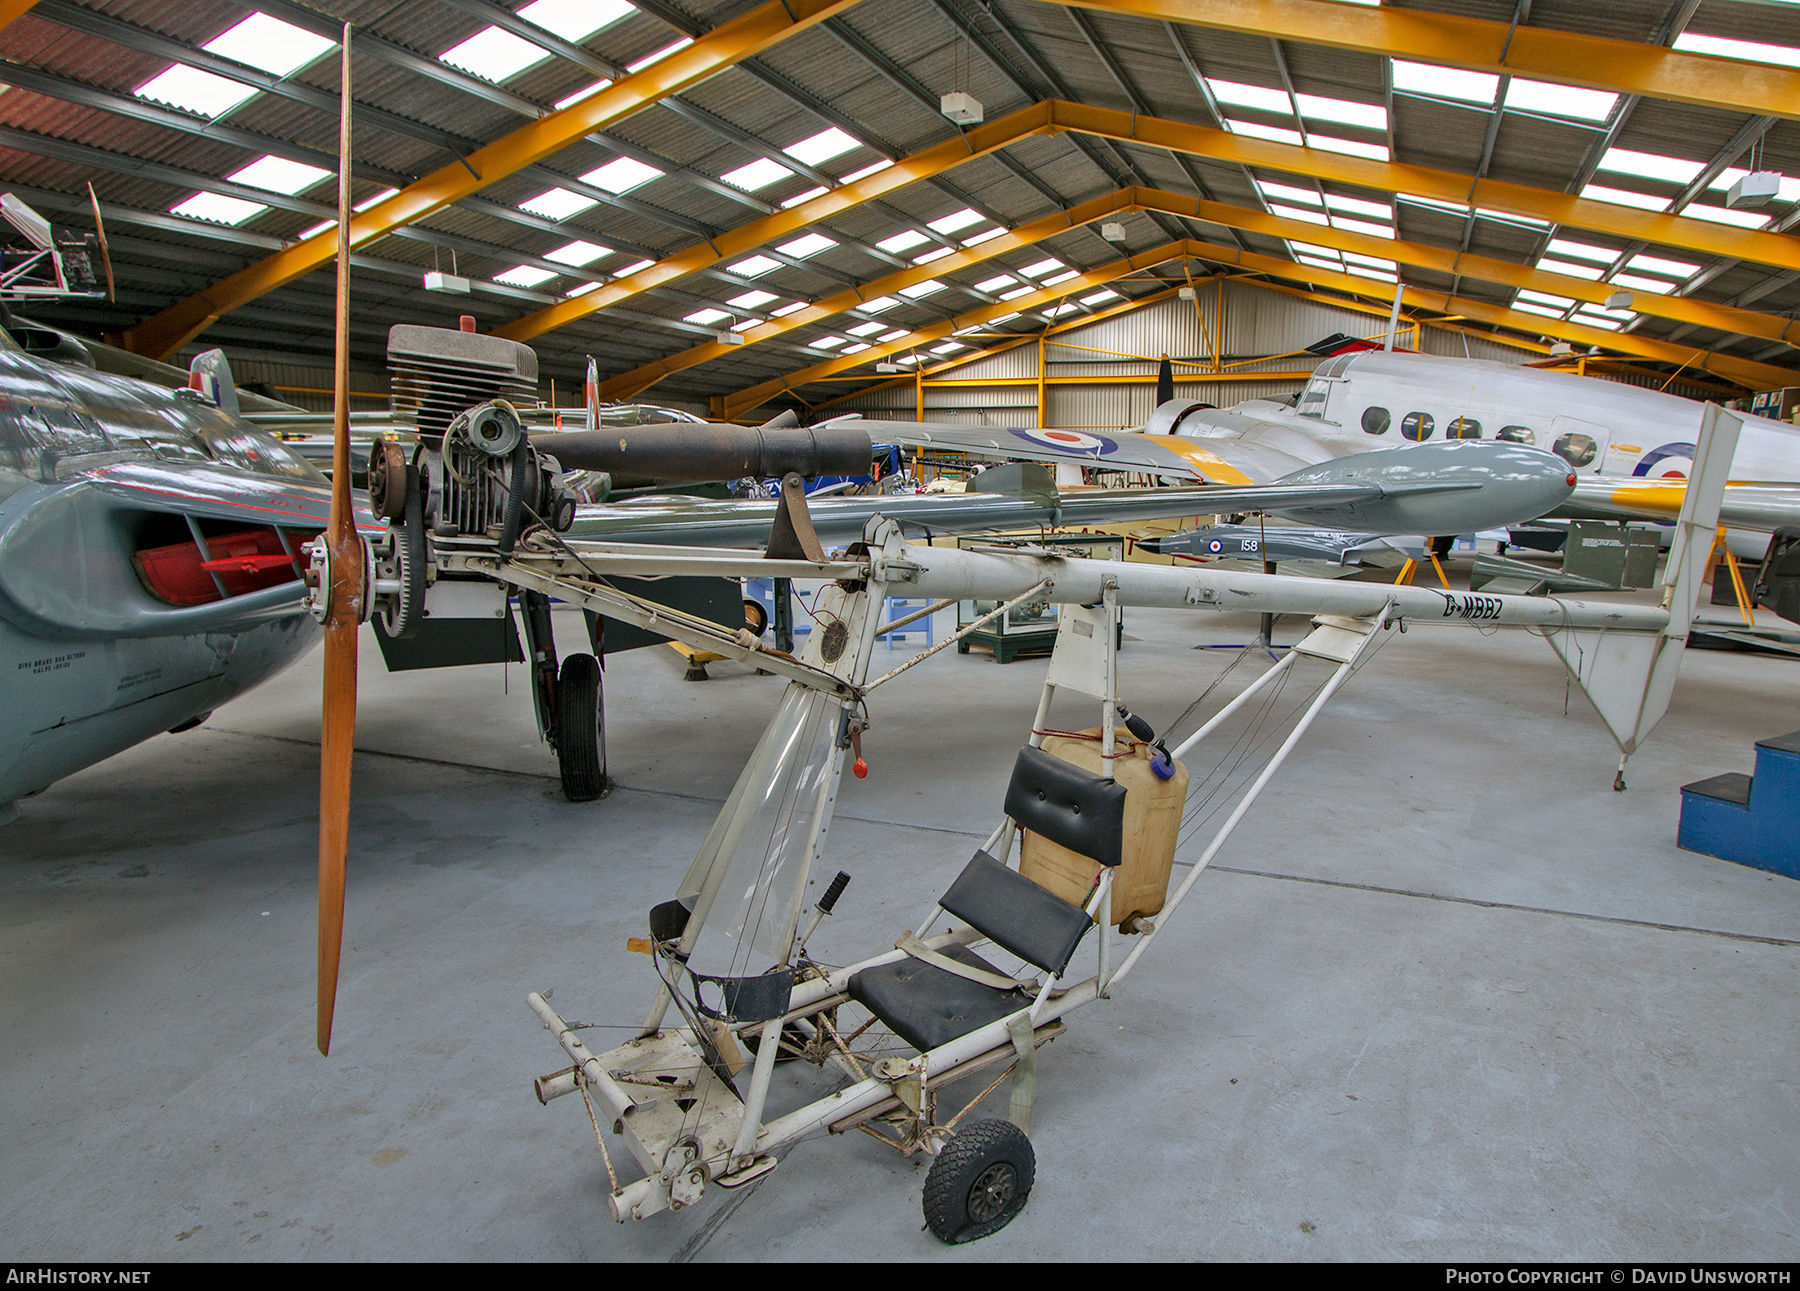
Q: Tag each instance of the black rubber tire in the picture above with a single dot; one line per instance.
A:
(581, 728)
(980, 1181)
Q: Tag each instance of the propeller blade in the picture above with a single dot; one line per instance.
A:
(1165, 382)
(337, 734)
(105, 255)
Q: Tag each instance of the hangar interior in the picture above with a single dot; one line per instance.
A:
(1452, 992)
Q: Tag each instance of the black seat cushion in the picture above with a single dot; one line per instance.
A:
(1067, 805)
(927, 1007)
(1031, 921)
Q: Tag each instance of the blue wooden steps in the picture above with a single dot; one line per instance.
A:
(1750, 819)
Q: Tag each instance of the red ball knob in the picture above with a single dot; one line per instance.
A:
(860, 768)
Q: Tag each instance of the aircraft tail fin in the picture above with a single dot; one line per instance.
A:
(1629, 677)
(1165, 382)
(210, 374)
(591, 394)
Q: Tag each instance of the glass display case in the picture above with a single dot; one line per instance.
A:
(1030, 626)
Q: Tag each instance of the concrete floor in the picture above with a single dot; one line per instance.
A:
(1445, 996)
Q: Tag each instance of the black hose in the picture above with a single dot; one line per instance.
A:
(524, 462)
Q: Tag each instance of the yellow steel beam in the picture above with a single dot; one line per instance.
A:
(726, 407)
(747, 237)
(10, 9)
(741, 38)
(628, 385)
(1396, 177)
(1540, 53)
(1725, 318)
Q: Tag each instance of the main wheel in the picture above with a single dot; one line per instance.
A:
(581, 728)
(979, 1181)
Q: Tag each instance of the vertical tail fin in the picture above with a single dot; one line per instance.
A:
(592, 394)
(1165, 382)
(210, 374)
(1630, 676)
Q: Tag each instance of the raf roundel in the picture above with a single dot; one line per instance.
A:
(1069, 441)
(1215, 545)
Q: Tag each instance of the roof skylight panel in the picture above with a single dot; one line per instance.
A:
(1317, 107)
(956, 220)
(659, 55)
(1349, 147)
(1374, 262)
(278, 48)
(1436, 204)
(1506, 217)
(581, 289)
(1362, 226)
(1559, 100)
(621, 175)
(705, 317)
(557, 204)
(879, 305)
(1275, 134)
(794, 308)
(195, 91)
(800, 199)
(754, 267)
(902, 241)
(577, 253)
(1545, 298)
(1057, 311)
(1599, 320)
(1530, 308)
(758, 174)
(1298, 213)
(1649, 165)
(888, 337)
(936, 253)
(1568, 269)
(1445, 82)
(1289, 192)
(1363, 271)
(570, 100)
(278, 175)
(1748, 50)
(1042, 267)
(524, 275)
(575, 20)
(1016, 292)
(751, 300)
(1238, 94)
(1004, 318)
(986, 235)
(1654, 285)
(1061, 277)
(1680, 269)
(215, 208)
(948, 347)
(1587, 309)
(632, 268)
(907, 358)
(866, 329)
(821, 147)
(1721, 215)
(493, 55)
(996, 282)
(920, 290)
(1583, 250)
(1105, 293)
(857, 348)
(1624, 197)
(1310, 248)
(826, 342)
(866, 171)
(806, 245)
(1357, 206)
(1319, 262)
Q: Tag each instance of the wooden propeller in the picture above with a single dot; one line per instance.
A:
(346, 591)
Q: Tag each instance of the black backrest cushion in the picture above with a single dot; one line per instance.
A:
(1033, 922)
(1067, 805)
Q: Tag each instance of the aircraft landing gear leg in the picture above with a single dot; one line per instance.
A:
(540, 649)
(784, 615)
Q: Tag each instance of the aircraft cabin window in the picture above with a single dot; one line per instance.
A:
(1376, 420)
(1517, 435)
(1312, 400)
(1576, 449)
(1417, 425)
(1463, 428)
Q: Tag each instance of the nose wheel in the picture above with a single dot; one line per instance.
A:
(980, 1181)
(581, 728)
